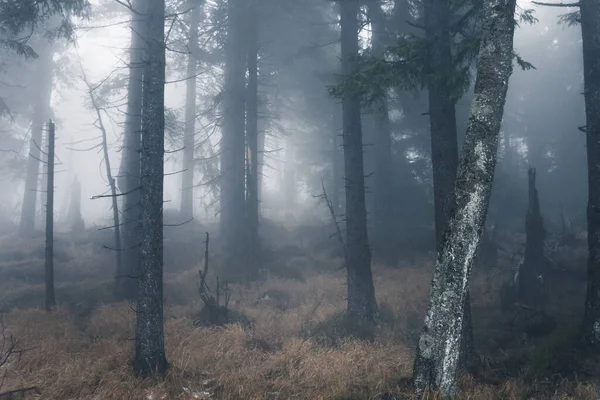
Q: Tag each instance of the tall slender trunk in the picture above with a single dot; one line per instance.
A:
(337, 158)
(129, 171)
(288, 178)
(49, 252)
(437, 363)
(187, 178)
(383, 207)
(41, 113)
(442, 116)
(362, 305)
(233, 146)
(444, 140)
(252, 245)
(150, 341)
(260, 154)
(109, 177)
(590, 32)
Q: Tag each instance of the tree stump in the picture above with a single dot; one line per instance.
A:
(530, 286)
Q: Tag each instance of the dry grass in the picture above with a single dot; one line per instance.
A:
(86, 356)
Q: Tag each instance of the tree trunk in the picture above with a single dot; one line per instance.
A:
(362, 305)
(383, 200)
(187, 177)
(49, 253)
(439, 351)
(109, 177)
(530, 290)
(336, 158)
(40, 114)
(288, 179)
(590, 31)
(150, 342)
(76, 223)
(442, 117)
(252, 245)
(260, 154)
(233, 146)
(129, 171)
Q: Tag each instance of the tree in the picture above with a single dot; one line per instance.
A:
(383, 209)
(99, 123)
(25, 16)
(252, 211)
(149, 345)
(530, 289)
(442, 114)
(187, 178)
(233, 154)
(76, 223)
(41, 113)
(439, 350)
(129, 171)
(590, 32)
(49, 251)
(362, 305)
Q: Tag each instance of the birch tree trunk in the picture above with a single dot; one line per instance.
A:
(590, 32)
(129, 171)
(187, 177)
(439, 349)
(150, 342)
(362, 305)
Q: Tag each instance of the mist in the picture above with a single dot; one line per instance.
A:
(376, 199)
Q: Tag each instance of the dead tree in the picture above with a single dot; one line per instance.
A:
(530, 287)
(213, 312)
(331, 208)
(111, 181)
(8, 348)
(49, 253)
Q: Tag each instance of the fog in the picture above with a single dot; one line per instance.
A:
(544, 109)
(318, 137)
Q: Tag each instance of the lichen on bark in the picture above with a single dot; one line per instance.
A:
(439, 350)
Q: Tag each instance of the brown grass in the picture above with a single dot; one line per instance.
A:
(72, 356)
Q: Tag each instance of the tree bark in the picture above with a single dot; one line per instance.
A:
(150, 342)
(442, 116)
(439, 351)
(187, 177)
(383, 199)
(41, 113)
(336, 158)
(590, 32)
(233, 146)
(49, 253)
(129, 171)
(362, 305)
(252, 245)
(530, 290)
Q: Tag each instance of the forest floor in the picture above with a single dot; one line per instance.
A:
(288, 349)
